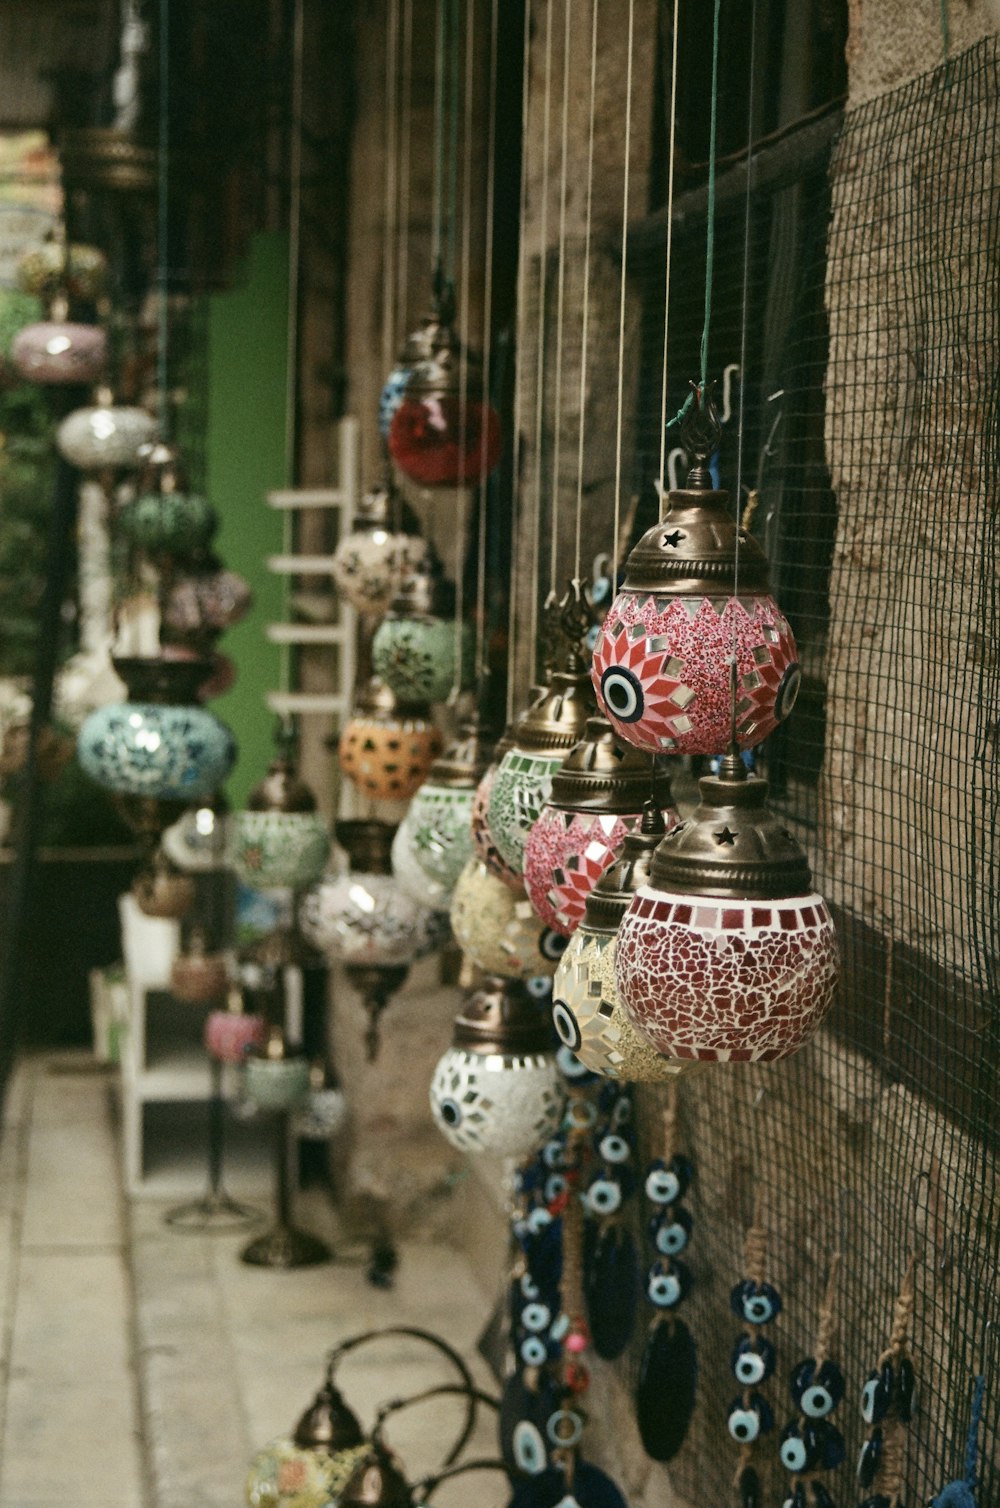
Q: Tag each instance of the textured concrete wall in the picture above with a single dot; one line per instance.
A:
(892, 41)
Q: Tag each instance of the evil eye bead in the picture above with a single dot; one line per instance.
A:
(537, 1219)
(530, 1455)
(450, 1112)
(816, 1393)
(753, 1361)
(666, 1286)
(570, 1066)
(554, 1154)
(536, 1317)
(622, 693)
(533, 1351)
(787, 693)
(906, 1390)
(621, 1112)
(876, 1395)
(566, 1025)
(552, 945)
(560, 1329)
(604, 1196)
(580, 1115)
(670, 1233)
(555, 1187)
(539, 986)
(614, 1149)
(662, 1184)
(529, 1288)
(827, 1442)
(748, 1421)
(870, 1459)
(564, 1428)
(794, 1450)
(757, 1304)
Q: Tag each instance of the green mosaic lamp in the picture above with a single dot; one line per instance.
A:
(418, 649)
(434, 841)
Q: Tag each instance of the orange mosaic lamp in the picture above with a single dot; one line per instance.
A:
(387, 747)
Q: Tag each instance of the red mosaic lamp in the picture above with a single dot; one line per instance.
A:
(695, 593)
(445, 432)
(728, 954)
(597, 798)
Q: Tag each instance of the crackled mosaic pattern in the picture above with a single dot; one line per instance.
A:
(498, 929)
(486, 1102)
(588, 1016)
(482, 838)
(388, 763)
(144, 749)
(367, 918)
(368, 565)
(520, 790)
(284, 1475)
(662, 671)
(433, 844)
(565, 856)
(726, 980)
(417, 659)
(278, 849)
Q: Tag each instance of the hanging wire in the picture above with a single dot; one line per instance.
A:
(744, 323)
(403, 175)
(491, 133)
(292, 332)
(560, 303)
(438, 188)
(163, 220)
(452, 52)
(462, 496)
(390, 227)
(669, 250)
(540, 362)
(522, 267)
(621, 305)
(577, 547)
(710, 231)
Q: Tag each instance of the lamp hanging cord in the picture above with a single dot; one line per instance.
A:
(163, 218)
(669, 247)
(472, 1395)
(462, 495)
(491, 133)
(522, 272)
(540, 362)
(560, 304)
(744, 324)
(615, 543)
(713, 132)
(585, 330)
(438, 189)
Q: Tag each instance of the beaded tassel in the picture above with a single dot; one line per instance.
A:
(810, 1443)
(611, 1260)
(757, 1303)
(887, 1406)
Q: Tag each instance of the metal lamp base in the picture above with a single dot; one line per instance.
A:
(285, 1247)
(214, 1213)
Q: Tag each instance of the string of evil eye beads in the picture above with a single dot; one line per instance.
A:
(810, 1443)
(665, 1389)
(611, 1265)
(757, 1303)
(888, 1401)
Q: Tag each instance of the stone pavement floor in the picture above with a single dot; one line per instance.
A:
(141, 1366)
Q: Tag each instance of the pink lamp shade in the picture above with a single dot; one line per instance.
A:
(230, 1035)
(59, 351)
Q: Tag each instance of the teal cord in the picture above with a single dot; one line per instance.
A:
(710, 237)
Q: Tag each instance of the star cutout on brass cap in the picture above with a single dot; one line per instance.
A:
(726, 836)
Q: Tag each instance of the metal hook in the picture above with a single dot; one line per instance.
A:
(727, 380)
(676, 458)
(932, 1235)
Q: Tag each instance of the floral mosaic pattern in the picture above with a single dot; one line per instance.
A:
(278, 850)
(368, 918)
(740, 981)
(521, 788)
(416, 657)
(173, 523)
(488, 1102)
(497, 928)
(369, 564)
(661, 670)
(284, 1475)
(482, 838)
(565, 856)
(588, 1015)
(388, 763)
(143, 749)
(433, 844)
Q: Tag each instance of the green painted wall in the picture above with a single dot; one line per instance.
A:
(245, 457)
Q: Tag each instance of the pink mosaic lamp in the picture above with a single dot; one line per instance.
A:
(728, 954)
(597, 798)
(695, 592)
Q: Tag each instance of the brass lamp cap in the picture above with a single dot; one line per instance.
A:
(368, 844)
(604, 774)
(376, 1482)
(557, 718)
(424, 592)
(464, 762)
(281, 790)
(328, 1423)
(162, 468)
(611, 896)
(385, 507)
(501, 1017)
(166, 682)
(379, 702)
(434, 332)
(733, 845)
(448, 373)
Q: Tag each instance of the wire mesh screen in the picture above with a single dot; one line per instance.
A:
(870, 436)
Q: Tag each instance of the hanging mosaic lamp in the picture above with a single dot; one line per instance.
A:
(200, 605)
(497, 929)
(232, 1033)
(727, 953)
(662, 664)
(445, 433)
(59, 350)
(433, 843)
(79, 271)
(418, 347)
(543, 735)
(310, 1467)
(197, 841)
(364, 920)
(280, 841)
(384, 543)
(597, 797)
(158, 751)
(387, 747)
(105, 436)
(497, 1089)
(417, 647)
(164, 519)
(586, 1010)
(277, 1078)
(197, 976)
(162, 890)
(482, 838)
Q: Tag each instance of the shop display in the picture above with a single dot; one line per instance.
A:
(611, 1261)
(497, 929)
(727, 954)
(482, 839)
(663, 659)
(418, 650)
(811, 1444)
(383, 545)
(434, 841)
(756, 1303)
(888, 1403)
(198, 977)
(497, 1089)
(280, 840)
(445, 433)
(105, 436)
(387, 748)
